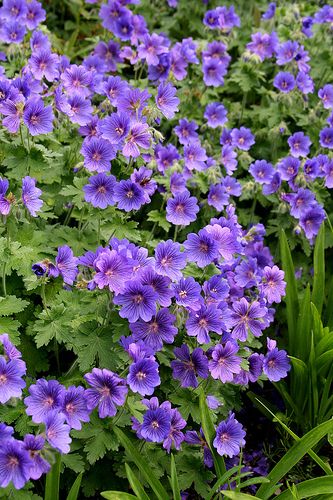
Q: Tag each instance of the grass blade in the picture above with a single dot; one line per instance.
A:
(135, 484)
(318, 291)
(174, 480)
(235, 495)
(144, 468)
(74, 491)
(293, 456)
(221, 480)
(306, 489)
(117, 495)
(53, 480)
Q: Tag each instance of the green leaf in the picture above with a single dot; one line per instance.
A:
(74, 491)
(174, 480)
(209, 433)
(221, 480)
(306, 489)
(159, 217)
(117, 495)
(304, 327)
(292, 457)
(135, 484)
(318, 292)
(53, 480)
(235, 495)
(144, 468)
(12, 305)
(291, 298)
(74, 462)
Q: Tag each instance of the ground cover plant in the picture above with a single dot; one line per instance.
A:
(166, 308)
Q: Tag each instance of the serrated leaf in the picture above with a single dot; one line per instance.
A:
(12, 305)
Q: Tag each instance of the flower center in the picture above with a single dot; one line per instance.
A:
(3, 379)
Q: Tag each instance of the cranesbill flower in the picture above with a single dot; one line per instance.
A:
(43, 63)
(326, 95)
(166, 100)
(137, 301)
(15, 464)
(224, 362)
(188, 366)
(242, 138)
(30, 195)
(133, 102)
(156, 425)
(152, 46)
(276, 363)
(57, 431)
(247, 317)
(311, 221)
(201, 248)
(108, 390)
(175, 436)
(273, 285)
(138, 137)
(229, 437)
(37, 117)
(155, 332)
(228, 158)
(200, 323)
(169, 260)
(112, 270)
(215, 114)
(304, 83)
(226, 242)
(74, 407)
(263, 45)
(307, 23)
(114, 88)
(166, 156)
(288, 168)
(301, 202)
(35, 14)
(182, 209)
(160, 285)
(77, 80)
(218, 197)
(328, 171)
(273, 186)
(143, 376)
(11, 382)
(262, 171)
(326, 137)
(214, 71)
(13, 112)
(188, 293)
(80, 110)
(286, 52)
(4, 202)
(284, 81)
(39, 41)
(195, 156)
(12, 32)
(299, 144)
(98, 154)
(186, 131)
(177, 183)
(13, 9)
(161, 71)
(270, 12)
(66, 264)
(129, 195)
(100, 190)
(34, 445)
(45, 396)
(142, 177)
(109, 53)
(216, 289)
(115, 128)
(247, 273)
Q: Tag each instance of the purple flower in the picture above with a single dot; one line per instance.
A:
(152, 46)
(66, 264)
(12, 32)
(114, 88)
(247, 317)
(5, 204)
(304, 83)
(100, 190)
(15, 464)
(195, 156)
(284, 81)
(34, 445)
(326, 95)
(225, 240)
(229, 437)
(137, 301)
(30, 195)
(200, 323)
(156, 425)
(273, 285)
(57, 431)
(115, 128)
(13, 9)
(299, 144)
(218, 197)
(246, 273)
(11, 382)
(143, 376)
(242, 138)
(169, 260)
(276, 363)
(44, 64)
(186, 131)
(142, 177)
(45, 396)
(215, 114)
(74, 407)
(326, 137)
(311, 221)
(270, 12)
(112, 270)
(286, 52)
(262, 171)
(175, 436)
(263, 45)
(35, 14)
(224, 362)
(214, 71)
(37, 117)
(129, 195)
(156, 331)
(80, 110)
(188, 293)
(188, 366)
(182, 209)
(98, 154)
(288, 168)
(228, 159)
(133, 102)
(108, 390)
(166, 100)
(201, 248)
(77, 80)
(138, 136)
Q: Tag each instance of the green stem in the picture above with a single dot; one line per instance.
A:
(68, 216)
(176, 233)
(4, 279)
(243, 108)
(99, 229)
